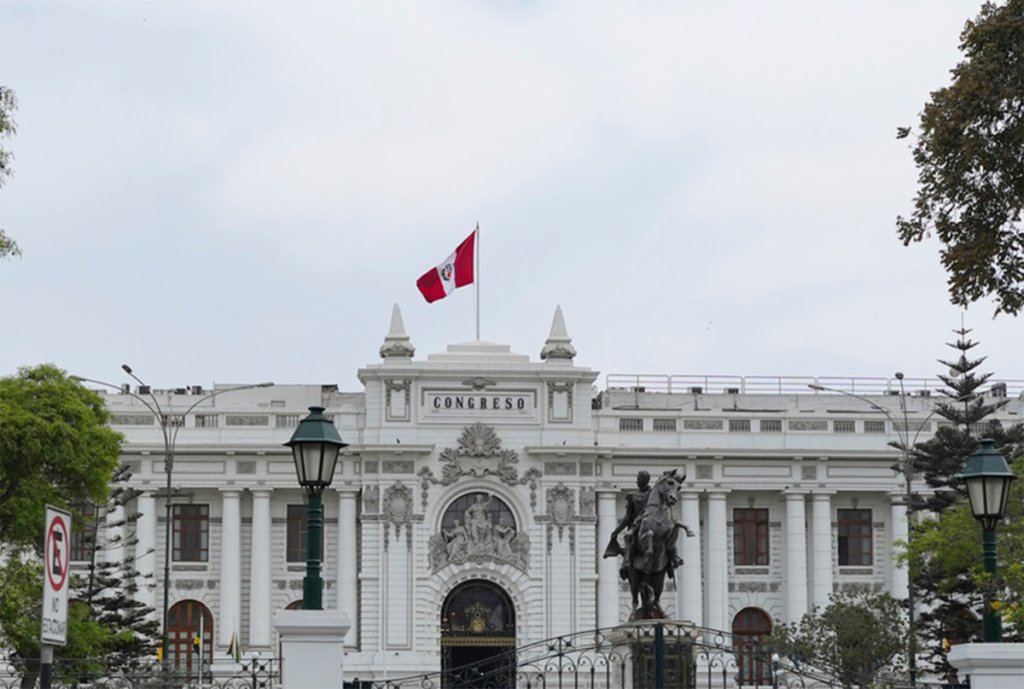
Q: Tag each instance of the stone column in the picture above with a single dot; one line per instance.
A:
(259, 572)
(796, 557)
(689, 577)
(348, 562)
(145, 552)
(899, 578)
(230, 566)
(718, 563)
(607, 568)
(821, 546)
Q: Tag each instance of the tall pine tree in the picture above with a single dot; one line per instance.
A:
(946, 585)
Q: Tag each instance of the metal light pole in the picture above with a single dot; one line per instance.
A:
(988, 479)
(315, 446)
(907, 469)
(169, 430)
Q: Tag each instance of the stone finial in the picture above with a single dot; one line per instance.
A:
(396, 344)
(558, 344)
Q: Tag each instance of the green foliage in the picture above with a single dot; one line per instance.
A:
(971, 166)
(8, 104)
(55, 447)
(944, 555)
(853, 638)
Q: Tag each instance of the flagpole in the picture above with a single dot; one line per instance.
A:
(476, 279)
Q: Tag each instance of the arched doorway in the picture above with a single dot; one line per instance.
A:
(187, 621)
(478, 636)
(749, 628)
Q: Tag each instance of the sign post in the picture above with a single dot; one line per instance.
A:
(56, 568)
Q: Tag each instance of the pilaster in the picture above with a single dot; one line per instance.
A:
(230, 566)
(718, 562)
(259, 575)
(796, 556)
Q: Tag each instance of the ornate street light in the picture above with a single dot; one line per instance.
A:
(315, 446)
(988, 477)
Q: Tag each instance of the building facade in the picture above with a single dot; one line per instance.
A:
(480, 487)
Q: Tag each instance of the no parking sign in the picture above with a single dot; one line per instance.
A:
(56, 565)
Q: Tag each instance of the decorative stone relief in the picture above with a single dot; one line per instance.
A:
(397, 466)
(560, 396)
(479, 447)
(398, 399)
(704, 471)
(703, 424)
(588, 502)
(397, 509)
(586, 468)
(808, 472)
(561, 512)
(132, 420)
(479, 383)
(246, 467)
(475, 539)
(188, 584)
(371, 500)
(560, 469)
(808, 425)
(211, 583)
(246, 420)
(132, 467)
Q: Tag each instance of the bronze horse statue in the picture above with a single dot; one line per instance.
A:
(650, 551)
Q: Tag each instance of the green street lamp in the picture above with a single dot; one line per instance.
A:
(988, 478)
(315, 446)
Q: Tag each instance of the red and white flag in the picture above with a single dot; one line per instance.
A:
(455, 271)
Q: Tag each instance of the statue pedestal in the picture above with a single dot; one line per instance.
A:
(661, 653)
(312, 647)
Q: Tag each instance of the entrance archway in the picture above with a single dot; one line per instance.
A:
(185, 621)
(749, 628)
(478, 636)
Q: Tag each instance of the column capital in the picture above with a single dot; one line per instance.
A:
(227, 491)
(717, 493)
(822, 495)
(263, 492)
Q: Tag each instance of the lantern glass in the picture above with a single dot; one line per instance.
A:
(315, 446)
(988, 496)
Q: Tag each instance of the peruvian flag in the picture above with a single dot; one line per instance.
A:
(454, 271)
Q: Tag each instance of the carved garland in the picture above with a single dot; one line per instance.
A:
(478, 443)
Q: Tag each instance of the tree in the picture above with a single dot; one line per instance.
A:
(853, 638)
(8, 104)
(944, 563)
(55, 447)
(970, 160)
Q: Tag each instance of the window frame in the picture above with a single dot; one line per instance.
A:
(751, 541)
(190, 533)
(854, 528)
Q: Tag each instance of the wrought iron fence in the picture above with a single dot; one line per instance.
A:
(255, 673)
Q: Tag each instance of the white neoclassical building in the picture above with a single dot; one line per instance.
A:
(471, 508)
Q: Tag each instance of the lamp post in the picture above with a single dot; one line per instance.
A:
(315, 446)
(169, 429)
(907, 469)
(988, 478)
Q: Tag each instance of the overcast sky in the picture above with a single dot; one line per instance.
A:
(228, 192)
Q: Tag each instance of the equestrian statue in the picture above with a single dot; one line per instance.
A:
(651, 533)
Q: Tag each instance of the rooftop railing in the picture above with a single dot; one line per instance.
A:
(788, 385)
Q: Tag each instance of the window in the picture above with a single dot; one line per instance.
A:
(750, 536)
(771, 425)
(844, 426)
(854, 537)
(739, 425)
(83, 532)
(191, 539)
(296, 541)
(631, 424)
